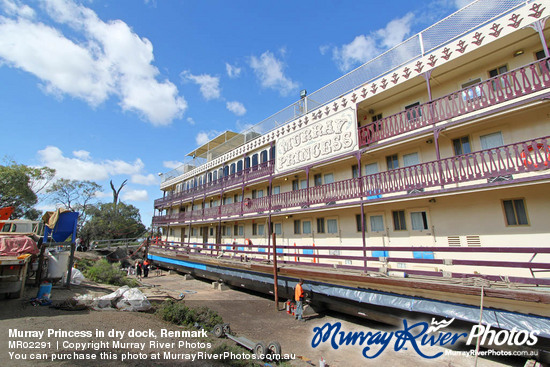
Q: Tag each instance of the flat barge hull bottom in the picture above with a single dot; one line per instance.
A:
(387, 300)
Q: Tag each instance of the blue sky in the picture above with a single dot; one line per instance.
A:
(124, 89)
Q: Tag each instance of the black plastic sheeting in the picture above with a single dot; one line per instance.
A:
(496, 318)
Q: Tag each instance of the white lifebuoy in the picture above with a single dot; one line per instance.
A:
(247, 242)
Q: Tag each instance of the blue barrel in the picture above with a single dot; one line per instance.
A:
(44, 291)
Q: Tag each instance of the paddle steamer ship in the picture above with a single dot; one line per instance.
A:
(416, 183)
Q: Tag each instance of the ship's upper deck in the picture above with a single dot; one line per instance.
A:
(480, 23)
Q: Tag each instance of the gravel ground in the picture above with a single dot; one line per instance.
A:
(250, 315)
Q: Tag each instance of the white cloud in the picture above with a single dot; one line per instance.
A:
(232, 71)
(172, 164)
(135, 195)
(209, 85)
(76, 168)
(204, 137)
(14, 8)
(324, 49)
(146, 180)
(191, 121)
(269, 71)
(103, 194)
(82, 154)
(236, 107)
(104, 59)
(365, 47)
(395, 31)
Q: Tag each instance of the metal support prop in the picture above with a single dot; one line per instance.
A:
(275, 270)
(70, 266)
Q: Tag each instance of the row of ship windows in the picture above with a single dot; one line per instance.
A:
(230, 169)
(515, 214)
(460, 146)
(467, 95)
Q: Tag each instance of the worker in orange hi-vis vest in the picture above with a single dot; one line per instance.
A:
(299, 298)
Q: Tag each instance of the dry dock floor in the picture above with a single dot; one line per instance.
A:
(250, 315)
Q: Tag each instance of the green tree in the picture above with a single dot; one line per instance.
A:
(20, 186)
(107, 221)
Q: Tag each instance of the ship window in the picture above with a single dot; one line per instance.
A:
(410, 159)
(235, 229)
(214, 175)
(320, 225)
(491, 140)
(377, 223)
(332, 226)
(329, 178)
(254, 229)
(254, 160)
(297, 226)
(261, 229)
(539, 56)
(223, 230)
(295, 184)
(462, 145)
(419, 221)
(399, 220)
(247, 162)
(211, 231)
(254, 194)
(241, 230)
(515, 212)
(358, 222)
(278, 229)
(239, 166)
(355, 171)
(263, 156)
(392, 162)
(303, 184)
(228, 231)
(232, 170)
(306, 226)
(413, 111)
(272, 153)
(495, 72)
(371, 168)
(470, 94)
(317, 180)
(276, 190)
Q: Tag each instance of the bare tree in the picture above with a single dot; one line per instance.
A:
(117, 192)
(74, 195)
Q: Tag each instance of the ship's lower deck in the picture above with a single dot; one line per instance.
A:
(374, 295)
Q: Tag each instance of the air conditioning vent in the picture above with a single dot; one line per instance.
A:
(453, 240)
(473, 241)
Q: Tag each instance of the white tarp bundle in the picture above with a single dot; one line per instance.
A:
(124, 299)
(76, 277)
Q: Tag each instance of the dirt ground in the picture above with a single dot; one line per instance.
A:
(250, 315)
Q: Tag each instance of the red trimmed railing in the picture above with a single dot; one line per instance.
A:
(498, 268)
(517, 83)
(494, 164)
